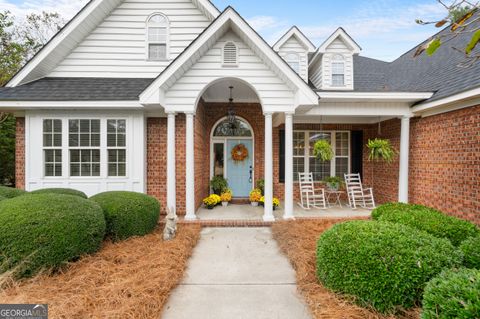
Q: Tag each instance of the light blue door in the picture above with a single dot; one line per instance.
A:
(240, 174)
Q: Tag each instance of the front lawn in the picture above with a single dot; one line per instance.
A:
(298, 241)
(128, 279)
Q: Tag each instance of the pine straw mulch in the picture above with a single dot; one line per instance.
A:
(129, 279)
(298, 240)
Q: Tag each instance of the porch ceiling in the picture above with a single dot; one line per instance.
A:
(219, 92)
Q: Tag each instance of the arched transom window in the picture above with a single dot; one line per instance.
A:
(228, 129)
(338, 71)
(294, 61)
(157, 37)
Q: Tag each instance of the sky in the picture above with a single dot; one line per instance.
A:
(385, 29)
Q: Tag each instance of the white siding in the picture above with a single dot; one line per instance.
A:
(135, 179)
(292, 45)
(316, 74)
(274, 94)
(117, 47)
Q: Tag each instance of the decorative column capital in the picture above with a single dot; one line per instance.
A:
(170, 113)
(289, 114)
(268, 114)
(406, 117)
(192, 113)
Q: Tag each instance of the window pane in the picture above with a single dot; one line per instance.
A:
(112, 169)
(298, 166)
(158, 18)
(121, 140)
(111, 140)
(341, 167)
(74, 169)
(47, 126)
(85, 126)
(111, 126)
(298, 144)
(73, 140)
(121, 156)
(95, 126)
(342, 145)
(218, 149)
(338, 80)
(122, 171)
(47, 140)
(49, 170)
(157, 34)
(73, 126)
(320, 170)
(338, 68)
(95, 140)
(57, 126)
(85, 169)
(58, 170)
(157, 51)
(238, 128)
(49, 156)
(112, 156)
(95, 169)
(57, 140)
(85, 140)
(121, 126)
(75, 156)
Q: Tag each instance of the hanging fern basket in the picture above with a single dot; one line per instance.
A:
(323, 151)
(381, 149)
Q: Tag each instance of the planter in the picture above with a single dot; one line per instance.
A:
(224, 204)
(210, 207)
(333, 187)
(254, 204)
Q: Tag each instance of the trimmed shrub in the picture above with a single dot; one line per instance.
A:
(2, 198)
(47, 230)
(471, 252)
(382, 265)
(427, 219)
(128, 214)
(453, 294)
(63, 191)
(10, 192)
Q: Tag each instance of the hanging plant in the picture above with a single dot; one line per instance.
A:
(323, 151)
(381, 149)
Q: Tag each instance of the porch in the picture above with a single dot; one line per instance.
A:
(247, 212)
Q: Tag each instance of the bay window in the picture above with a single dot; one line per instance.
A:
(305, 162)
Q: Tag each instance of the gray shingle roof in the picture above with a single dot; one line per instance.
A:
(77, 89)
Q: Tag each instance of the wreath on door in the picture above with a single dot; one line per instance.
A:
(239, 153)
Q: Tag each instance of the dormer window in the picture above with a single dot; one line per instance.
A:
(293, 60)
(157, 37)
(230, 54)
(338, 71)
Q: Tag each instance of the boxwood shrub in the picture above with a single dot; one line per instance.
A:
(128, 214)
(453, 294)
(471, 252)
(47, 230)
(382, 265)
(63, 191)
(10, 192)
(427, 219)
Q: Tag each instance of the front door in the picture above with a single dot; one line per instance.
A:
(240, 173)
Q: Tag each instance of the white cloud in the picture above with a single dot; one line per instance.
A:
(66, 8)
(262, 23)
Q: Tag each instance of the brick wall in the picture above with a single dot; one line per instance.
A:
(20, 153)
(157, 159)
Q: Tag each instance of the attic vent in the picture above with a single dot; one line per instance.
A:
(230, 54)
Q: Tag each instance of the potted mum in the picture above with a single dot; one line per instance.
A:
(276, 202)
(211, 201)
(226, 197)
(255, 196)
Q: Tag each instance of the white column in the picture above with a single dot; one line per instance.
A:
(268, 215)
(171, 176)
(288, 166)
(404, 156)
(190, 168)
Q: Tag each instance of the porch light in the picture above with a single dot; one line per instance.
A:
(232, 119)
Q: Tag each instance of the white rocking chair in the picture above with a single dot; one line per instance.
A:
(357, 195)
(309, 196)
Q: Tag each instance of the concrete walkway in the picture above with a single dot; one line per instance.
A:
(237, 273)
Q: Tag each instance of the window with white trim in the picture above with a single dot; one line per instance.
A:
(116, 147)
(338, 71)
(157, 37)
(230, 54)
(52, 147)
(293, 59)
(305, 162)
(84, 146)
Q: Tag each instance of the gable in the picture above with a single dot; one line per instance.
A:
(185, 92)
(117, 46)
(108, 25)
(293, 45)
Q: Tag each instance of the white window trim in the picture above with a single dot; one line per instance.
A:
(297, 60)
(333, 141)
(117, 147)
(61, 148)
(230, 65)
(148, 24)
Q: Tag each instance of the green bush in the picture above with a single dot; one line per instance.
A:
(471, 252)
(10, 192)
(382, 265)
(63, 191)
(427, 219)
(128, 214)
(47, 230)
(453, 294)
(2, 198)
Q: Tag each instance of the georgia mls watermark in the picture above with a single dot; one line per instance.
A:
(23, 311)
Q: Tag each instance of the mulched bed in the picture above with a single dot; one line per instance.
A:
(298, 240)
(129, 279)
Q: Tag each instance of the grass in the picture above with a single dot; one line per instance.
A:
(297, 240)
(130, 279)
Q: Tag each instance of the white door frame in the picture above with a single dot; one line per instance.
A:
(223, 140)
